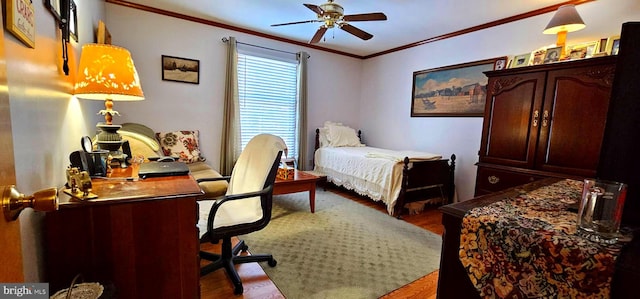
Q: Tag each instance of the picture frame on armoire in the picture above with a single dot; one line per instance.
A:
(583, 50)
(500, 63)
(553, 55)
(613, 45)
(520, 60)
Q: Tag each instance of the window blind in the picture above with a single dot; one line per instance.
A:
(267, 90)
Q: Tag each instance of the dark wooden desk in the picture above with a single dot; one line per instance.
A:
(138, 236)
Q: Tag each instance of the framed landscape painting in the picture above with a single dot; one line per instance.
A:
(456, 90)
(180, 69)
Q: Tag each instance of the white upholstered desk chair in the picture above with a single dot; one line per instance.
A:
(245, 208)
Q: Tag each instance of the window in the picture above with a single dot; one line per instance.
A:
(267, 90)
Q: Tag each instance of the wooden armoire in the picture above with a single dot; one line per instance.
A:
(569, 119)
(544, 121)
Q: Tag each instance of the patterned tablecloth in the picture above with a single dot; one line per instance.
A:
(526, 246)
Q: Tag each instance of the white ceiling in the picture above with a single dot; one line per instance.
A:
(408, 21)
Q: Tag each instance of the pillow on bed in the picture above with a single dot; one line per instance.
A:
(342, 136)
(323, 135)
(329, 123)
(183, 145)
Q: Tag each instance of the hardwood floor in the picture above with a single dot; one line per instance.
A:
(258, 285)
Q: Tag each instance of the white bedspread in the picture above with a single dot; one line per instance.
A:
(369, 171)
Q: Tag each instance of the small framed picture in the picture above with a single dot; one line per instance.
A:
(103, 36)
(16, 21)
(521, 60)
(613, 45)
(584, 50)
(538, 57)
(602, 46)
(73, 20)
(180, 69)
(500, 63)
(54, 8)
(552, 55)
(577, 53)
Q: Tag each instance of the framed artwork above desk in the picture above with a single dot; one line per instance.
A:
(138, 237)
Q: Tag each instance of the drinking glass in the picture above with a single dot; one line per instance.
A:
(600, 210)
(135, 165)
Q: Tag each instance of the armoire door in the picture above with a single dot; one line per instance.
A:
(512, 119)
(573, 119)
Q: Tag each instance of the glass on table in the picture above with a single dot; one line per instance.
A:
(600, 210)
(135, 165)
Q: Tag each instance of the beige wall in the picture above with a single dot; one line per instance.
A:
(372, 94)
(334, 87)
(47, 121)
(389, 80)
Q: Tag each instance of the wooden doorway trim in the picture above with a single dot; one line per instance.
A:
(11, 255)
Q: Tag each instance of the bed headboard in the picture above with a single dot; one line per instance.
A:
(142, 140)
(317, 145)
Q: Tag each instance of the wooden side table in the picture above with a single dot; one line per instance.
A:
(138, 236)
(302, 181)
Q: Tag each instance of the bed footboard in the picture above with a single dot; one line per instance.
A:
(426, 177)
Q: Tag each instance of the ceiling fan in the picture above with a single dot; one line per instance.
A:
(332, 14)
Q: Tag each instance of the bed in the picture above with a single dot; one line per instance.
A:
(393, 177)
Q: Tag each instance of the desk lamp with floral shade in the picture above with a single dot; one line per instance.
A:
(107, 73)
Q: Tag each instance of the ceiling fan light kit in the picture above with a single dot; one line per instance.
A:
(332, 14)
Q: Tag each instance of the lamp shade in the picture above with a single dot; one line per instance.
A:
(107, 72)
(566, 19)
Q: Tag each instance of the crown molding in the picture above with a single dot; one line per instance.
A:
(499, 22)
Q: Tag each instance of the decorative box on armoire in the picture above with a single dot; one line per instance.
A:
(544, 121)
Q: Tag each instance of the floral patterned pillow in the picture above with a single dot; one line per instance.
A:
(183, 145)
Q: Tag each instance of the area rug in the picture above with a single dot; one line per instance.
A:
(343, 250)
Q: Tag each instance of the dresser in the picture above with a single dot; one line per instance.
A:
(544, 121)
(138, 238)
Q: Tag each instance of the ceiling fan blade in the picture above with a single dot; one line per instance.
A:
(355, 31)
(299, 22)
(318, 36)
(315, 8)
(376, 16)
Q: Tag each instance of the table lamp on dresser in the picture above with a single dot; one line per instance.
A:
(107, 73)
(566, 19)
